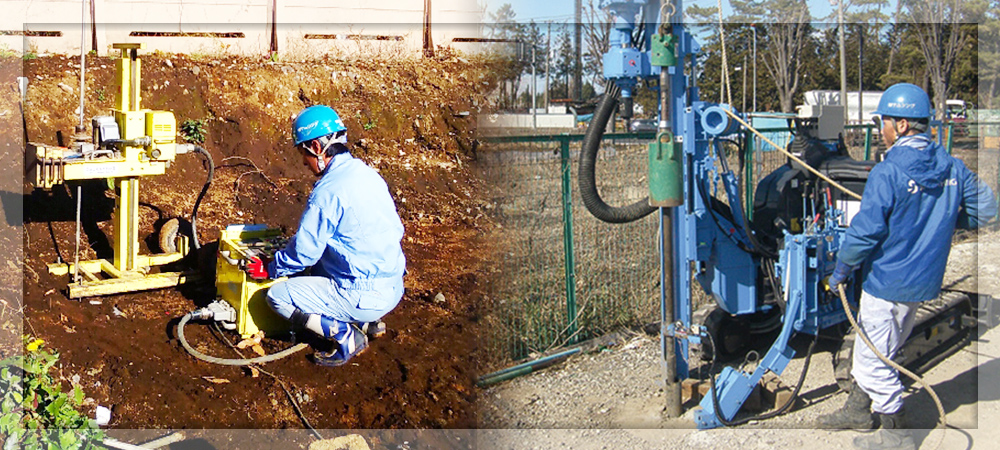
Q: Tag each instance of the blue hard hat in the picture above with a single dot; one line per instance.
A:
(904, 100)
(316, 121)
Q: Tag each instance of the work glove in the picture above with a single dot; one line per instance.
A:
(839, 275)
(256, 268)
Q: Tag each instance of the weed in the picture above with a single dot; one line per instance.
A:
(193, 130)
(6, 52)
(100, 94)
(35, 412)
(29, 55)
(366, 124)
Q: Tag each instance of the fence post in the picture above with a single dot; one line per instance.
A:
(951, 131)
(868, 142)
(567, 200)
(748, 172)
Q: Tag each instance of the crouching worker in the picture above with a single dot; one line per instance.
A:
(347, 246)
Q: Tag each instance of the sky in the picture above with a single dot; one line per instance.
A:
(558, 11)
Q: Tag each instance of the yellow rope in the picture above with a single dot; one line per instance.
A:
(793, 157)
(725, 88)
(943, 422)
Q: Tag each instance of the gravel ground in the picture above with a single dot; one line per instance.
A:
(614, 399)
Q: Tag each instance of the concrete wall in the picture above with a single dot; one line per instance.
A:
(528, 121)
(303, 28)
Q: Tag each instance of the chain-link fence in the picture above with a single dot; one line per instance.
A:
(566, 275)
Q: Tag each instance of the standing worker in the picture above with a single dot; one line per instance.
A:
(900, 239)
(349, 235)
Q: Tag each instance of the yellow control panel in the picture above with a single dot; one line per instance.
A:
(237, 244)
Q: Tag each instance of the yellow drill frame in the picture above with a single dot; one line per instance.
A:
(129, 271)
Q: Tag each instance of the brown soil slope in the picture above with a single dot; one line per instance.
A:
(407, 119)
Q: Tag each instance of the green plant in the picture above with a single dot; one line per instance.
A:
(100, 94)
(366, 124)
(193, 130)
(29, 55)
(34, 412)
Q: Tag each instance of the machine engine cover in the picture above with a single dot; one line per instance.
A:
(778, 201)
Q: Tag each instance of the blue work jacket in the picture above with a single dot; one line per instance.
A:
(912, 203)
(349, 232)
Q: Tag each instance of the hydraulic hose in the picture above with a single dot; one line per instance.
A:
(234, 361)
(755, 246)
(201, 195)
(588, 158)
(775, 413)
(943, 422)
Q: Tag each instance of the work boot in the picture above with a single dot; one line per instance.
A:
(892, 436)
(374, 329)
(854, 415)
(350, 343)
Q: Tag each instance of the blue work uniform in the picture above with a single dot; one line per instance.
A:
(912, 203)
(901, 237)
(349, 241)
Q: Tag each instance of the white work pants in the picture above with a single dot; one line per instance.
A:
(887, 325)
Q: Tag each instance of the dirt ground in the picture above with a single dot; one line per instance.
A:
(412, 121)
(611, 400)
(614, 399)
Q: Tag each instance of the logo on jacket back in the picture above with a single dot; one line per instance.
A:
(913, 188)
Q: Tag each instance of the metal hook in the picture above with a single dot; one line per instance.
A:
(747, 359)
(664, 17)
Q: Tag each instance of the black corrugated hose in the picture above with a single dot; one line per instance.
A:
(588, 158)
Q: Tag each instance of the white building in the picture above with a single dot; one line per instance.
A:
(293, 28)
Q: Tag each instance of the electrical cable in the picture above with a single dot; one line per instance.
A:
(201, 195)
(231, 362)
(768, 415)
(943, 422)
(291, 399)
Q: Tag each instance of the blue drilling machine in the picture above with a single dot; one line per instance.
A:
(763, 272)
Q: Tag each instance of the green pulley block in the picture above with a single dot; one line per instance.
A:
(663, 53)
(666, 179)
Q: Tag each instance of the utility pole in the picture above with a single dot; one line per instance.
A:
(843, 57)
(577, 87)
(753, 29)
(548, 57)
(861, 79)
(743, 104)
(534, 90)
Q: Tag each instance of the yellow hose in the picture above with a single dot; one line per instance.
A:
(943, 422)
